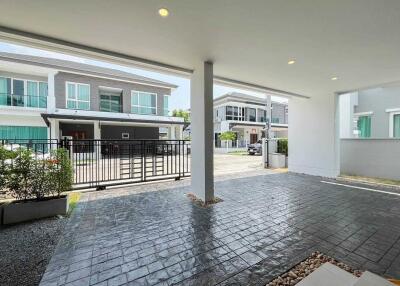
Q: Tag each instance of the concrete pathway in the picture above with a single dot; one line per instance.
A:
(154, 235)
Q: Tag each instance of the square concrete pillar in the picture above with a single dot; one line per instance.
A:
(51, 97)
(201, 101)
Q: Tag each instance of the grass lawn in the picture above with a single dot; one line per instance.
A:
(73, 201)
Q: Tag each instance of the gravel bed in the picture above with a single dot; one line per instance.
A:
(26, 250)
(306, 267)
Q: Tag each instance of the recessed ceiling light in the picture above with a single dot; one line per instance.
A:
(291, 62)
(163, 12)
(334, 78)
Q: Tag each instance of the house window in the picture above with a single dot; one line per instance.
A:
(252, 114)
(110, 103)
(364, 126)
(19, 92)
(143, 102)
(396, 126)
(78, 96)
(234, 113)
(36, 94)
(165, 105)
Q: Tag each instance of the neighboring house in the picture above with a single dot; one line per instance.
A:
(43, 98)
(371, 113)
(246, 115)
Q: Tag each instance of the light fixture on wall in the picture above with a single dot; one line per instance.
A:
(163, 12)
(334, 78)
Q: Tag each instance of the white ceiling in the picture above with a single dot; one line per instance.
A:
(248, 40)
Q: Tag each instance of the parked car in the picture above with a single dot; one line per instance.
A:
(255, 148)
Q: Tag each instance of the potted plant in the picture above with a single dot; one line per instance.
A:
(279, 159)
(38, 184)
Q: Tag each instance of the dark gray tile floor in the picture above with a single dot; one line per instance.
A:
(264, 226)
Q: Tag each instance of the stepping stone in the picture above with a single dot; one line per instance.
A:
(329, 275)
(371, 279)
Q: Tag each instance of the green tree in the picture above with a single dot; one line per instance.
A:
(228, 135)
(181, 113)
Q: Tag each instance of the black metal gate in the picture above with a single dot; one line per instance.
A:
(101, 163)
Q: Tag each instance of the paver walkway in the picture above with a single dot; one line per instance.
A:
(265, 225)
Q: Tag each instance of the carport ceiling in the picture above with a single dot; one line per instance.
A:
(355, 40)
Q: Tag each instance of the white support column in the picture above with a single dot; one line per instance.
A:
(201, 101)
(180, 132)
(54, 129)
(51, 96)
(97, 136)
(268, 114)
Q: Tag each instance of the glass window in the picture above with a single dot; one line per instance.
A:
(251, 114)
(5, 90)
(364, 126)
(23, 132)
(143, 102)
(110, 103)
(78, 96)
(235, 113)
(165, 105)
(396, 126)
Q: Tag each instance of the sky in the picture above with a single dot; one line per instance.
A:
(180, 97)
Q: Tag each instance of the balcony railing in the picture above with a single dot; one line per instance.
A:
(7, 99)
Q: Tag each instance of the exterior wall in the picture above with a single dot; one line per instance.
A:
(378, 158)
(60, 91)
(115, 132)
(347, 103)
(378, 100)
(22, 76)
(314, 136)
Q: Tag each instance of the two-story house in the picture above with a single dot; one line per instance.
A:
(246, 115)
(46, 98)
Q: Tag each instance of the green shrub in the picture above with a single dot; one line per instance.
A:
(228, 135)
(29, 177)
(19, 181)
(64, 174)
(283, 146)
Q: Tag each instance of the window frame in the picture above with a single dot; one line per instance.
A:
(392, 112)
(139, 106)
(26, 95)
(109, 101)
(76, 95)
(167, 110)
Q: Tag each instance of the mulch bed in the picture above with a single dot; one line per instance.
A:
(306, 267)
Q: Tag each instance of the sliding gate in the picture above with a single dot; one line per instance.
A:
(101, 163)
(98, 163)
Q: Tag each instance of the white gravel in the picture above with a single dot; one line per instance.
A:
(26, 250)
(305, 268)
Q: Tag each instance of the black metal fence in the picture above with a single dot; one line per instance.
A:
(101, 163)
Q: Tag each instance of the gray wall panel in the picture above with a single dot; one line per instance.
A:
(62, 77)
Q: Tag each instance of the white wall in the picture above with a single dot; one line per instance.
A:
(378, 158)
(346, 108)
(313, 136)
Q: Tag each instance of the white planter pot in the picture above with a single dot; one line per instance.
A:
(24, 211)
(277, 160)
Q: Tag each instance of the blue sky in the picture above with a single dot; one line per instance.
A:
(180, 98)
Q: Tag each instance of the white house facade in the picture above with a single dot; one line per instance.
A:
(44, 98)
(247, 115)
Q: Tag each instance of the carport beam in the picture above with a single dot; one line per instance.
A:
(202, 131)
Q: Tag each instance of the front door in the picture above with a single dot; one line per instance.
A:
(253, 138)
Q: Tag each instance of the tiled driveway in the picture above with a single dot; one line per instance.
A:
(265, 225)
